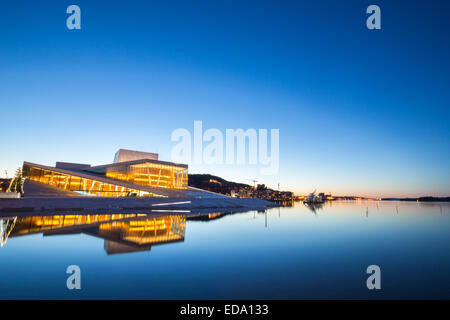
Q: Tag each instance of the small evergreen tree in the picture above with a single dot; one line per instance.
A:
(16, 184)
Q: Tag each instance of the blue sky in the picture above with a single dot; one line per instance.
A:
(359, 111)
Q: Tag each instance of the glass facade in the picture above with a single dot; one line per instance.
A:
(86, 186)
(148, 174)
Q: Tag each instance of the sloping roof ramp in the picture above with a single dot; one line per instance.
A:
(71, 165)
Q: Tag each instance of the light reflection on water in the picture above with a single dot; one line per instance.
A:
(293, 253)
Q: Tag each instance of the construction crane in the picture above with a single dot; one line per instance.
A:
(254, 182)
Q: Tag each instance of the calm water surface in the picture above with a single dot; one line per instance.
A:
(286, 253)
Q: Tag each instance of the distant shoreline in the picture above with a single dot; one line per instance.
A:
(420, 199)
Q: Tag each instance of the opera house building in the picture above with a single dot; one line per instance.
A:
(132, 174)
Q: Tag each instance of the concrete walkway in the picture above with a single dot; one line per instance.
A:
(39, 204)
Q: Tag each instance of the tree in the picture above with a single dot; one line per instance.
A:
(16, 184)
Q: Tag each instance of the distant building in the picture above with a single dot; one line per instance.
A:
(4, 184)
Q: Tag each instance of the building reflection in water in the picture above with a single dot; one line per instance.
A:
(314, 207)
(122, 232)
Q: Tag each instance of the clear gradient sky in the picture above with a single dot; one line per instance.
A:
(359, 111)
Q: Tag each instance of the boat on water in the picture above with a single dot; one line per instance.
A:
(313, 198)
